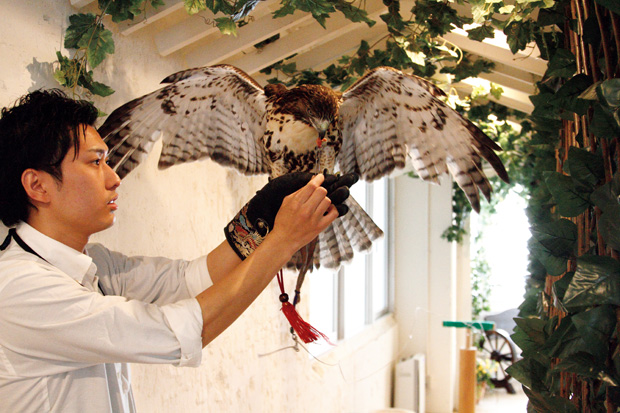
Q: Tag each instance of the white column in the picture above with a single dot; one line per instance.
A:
(426, 284)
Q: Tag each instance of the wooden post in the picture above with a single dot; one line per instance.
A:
(467, 377)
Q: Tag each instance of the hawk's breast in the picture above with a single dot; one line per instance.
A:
(285, 133)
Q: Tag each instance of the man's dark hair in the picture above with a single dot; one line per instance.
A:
(37, 132)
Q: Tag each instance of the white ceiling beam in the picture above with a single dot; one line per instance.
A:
(305, 39)
(248, 35)
(321, 57)
(521, 61)
(347, 44)
(151, 16)
(510, 98)
(183, 34)
(328, 53)
(508, 81)
(519, 75)
(193, 29)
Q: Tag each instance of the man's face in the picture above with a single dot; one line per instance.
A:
(85, 200)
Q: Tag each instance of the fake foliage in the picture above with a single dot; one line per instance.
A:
(569, 321)
(565, 155)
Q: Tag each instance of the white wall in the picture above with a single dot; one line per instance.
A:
(180, 213)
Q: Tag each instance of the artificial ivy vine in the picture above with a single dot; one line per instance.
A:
(569, 326)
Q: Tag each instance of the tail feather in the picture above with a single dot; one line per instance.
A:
(353, 232)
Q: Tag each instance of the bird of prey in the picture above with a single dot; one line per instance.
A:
(382, 122)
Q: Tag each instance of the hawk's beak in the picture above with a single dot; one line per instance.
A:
(321, 138)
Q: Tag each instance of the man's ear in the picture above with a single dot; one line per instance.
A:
(36, 184)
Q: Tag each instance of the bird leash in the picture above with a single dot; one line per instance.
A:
(300, 328)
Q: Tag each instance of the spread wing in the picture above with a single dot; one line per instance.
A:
(388, 116)
(212, 112)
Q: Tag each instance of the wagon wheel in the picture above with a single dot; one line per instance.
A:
(499, 347)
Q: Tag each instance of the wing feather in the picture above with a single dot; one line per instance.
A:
(388, 116)
(213, 112)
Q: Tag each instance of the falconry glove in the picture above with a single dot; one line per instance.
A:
(251, 225)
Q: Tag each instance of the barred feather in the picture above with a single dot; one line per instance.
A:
(353, 232)
(387, 116)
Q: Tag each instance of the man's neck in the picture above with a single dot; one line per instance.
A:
(53, 230)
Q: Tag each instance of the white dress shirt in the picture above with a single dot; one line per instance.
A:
(64, 345)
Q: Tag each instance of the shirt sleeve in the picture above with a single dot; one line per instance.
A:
(51, 324)
(152, 279)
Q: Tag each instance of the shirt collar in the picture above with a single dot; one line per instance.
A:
(73, 263)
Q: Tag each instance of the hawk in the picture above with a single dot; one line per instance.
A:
(382, 122)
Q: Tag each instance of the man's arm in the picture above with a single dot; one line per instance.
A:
(303, 215)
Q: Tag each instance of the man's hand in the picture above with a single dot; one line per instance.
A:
(305, 214)
(257, 218)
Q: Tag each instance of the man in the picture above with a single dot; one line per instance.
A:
(71, 315)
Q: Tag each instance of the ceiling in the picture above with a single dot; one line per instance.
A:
(198, 42)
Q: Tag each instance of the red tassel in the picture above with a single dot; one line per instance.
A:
(304, 330)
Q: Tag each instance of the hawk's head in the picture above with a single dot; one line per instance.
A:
(314, 105)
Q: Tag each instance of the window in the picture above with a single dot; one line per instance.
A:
(342, 303)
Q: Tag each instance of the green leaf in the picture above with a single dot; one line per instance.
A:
(562, 64)
(496, 91)
(528, 372)
(353, 13)
(518, 35)
(416, 57)
(506, 9)
(479, 11)
(543, 106)
(548, 402)
(481, 33)
(553, 264)
(100, 89)
(393, 18)
(60, 77)
(585, 365)
(531, 334)
(606, 198)
(121, 10)
(568, 96)
(558, 237)
(227, 25)
(596, 282)
(79, 25)
(564, 341)
(595, 326)
(591, 31)
(570, 199)
(585, 167)
(194, 6)
(610, 90)
(604, 125)
(98, 45)
(559, 289)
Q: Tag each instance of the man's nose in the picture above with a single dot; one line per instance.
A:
(112, 179)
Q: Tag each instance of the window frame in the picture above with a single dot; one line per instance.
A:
(339, 277)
